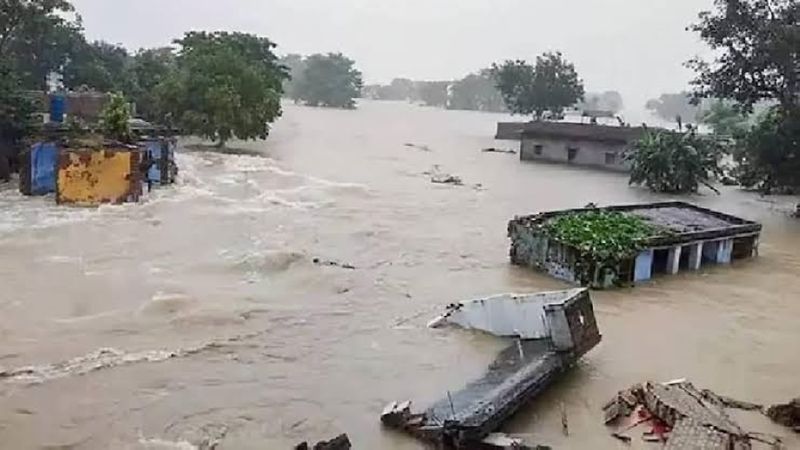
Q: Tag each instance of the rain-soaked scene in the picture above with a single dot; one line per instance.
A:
(370, 225)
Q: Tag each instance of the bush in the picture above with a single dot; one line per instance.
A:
(116, 118)
(677, 163)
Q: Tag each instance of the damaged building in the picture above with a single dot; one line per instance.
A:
(548, 332)
(683, 237)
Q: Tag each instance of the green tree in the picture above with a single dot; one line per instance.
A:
(675, 107)
(756, 45)
(295, 65)
(677, 163)
(148, 69)
(432, 93)
(37, 37)
(725, 119)
(543, 90)
(609, 101)
(768, 156)
(226, 85)
(100, 66)
(476, 92)
(115, 119)
(16, 123)
(330, 80)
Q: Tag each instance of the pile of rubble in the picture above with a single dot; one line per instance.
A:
(680, 416)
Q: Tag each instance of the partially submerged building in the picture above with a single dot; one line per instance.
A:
(579, 144)
(94, 176)
(552, 330)
(685, 237)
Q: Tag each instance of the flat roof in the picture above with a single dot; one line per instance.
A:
(582, 131)
(688, 222)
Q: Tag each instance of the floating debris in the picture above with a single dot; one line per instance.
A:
(341, 442)
(499, 150)
(447, 179)
(561, 327)
(322, 262)
(423, 147)
(787, 415)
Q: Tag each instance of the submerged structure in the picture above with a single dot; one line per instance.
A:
(88, 177)
(553, 330)
(91, 171)
(37, 174)
(681, 416)
(580, 144)
(624, 245)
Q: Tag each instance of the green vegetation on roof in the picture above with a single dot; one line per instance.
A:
(603, 234)
(604, 240)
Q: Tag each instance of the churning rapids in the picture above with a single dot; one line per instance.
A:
(199, 317)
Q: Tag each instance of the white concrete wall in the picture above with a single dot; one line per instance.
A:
(590, 153)
(508, 314)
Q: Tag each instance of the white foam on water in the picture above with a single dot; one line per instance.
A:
(106, 358)
(162, 444)
(202, 175)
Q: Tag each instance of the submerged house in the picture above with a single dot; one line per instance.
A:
(665, 238)
(580, 144)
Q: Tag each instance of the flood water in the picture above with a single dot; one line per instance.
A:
(199, 316)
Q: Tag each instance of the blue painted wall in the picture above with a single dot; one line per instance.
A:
(44, 157)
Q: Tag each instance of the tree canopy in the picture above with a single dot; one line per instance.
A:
(756, 45)
(329, 80)
(756, 42)
(433, 93)
(476, 92)
(16, 109)
(225, 85)
(543, 90)
(295, 65)
(100, 66)
(675, 107)
(609, 101)
(37, 37)
(724, 118)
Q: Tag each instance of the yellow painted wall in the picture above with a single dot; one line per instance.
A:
(92, 177)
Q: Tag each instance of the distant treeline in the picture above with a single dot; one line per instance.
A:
(475, 92)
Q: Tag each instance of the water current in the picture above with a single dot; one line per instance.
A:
(199, 317)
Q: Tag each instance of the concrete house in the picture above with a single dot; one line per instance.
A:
(695, 237)
(580, 144)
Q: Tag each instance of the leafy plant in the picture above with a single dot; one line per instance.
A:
(115, 119)
(725, 119)
(603, 239)
(677, 163)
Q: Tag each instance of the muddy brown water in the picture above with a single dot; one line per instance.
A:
(216, 324)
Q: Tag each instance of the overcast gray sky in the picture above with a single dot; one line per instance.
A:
(634, 46)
